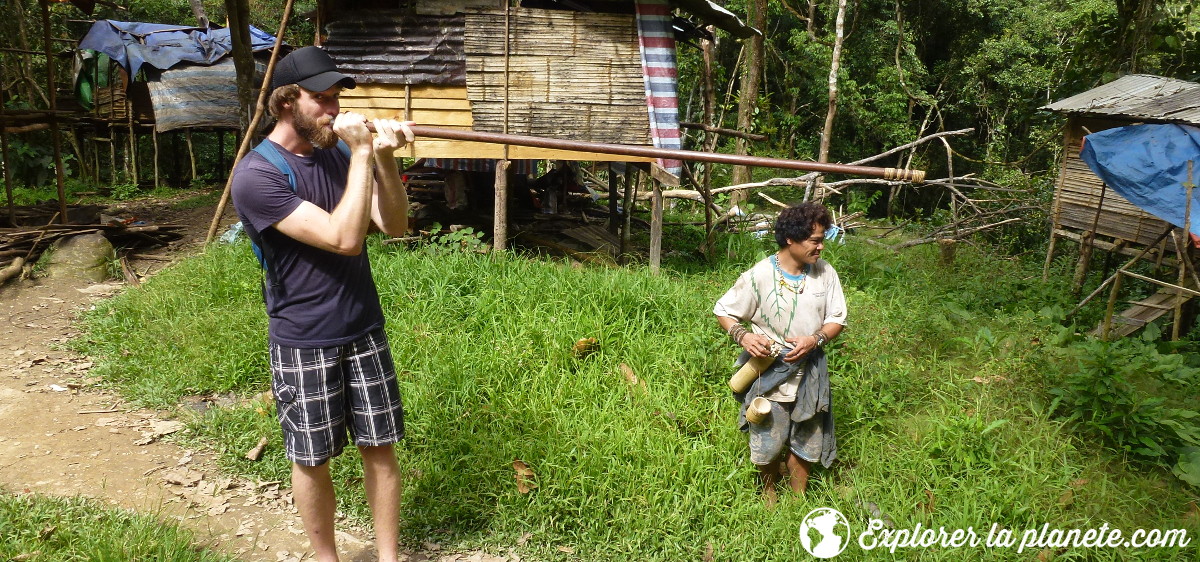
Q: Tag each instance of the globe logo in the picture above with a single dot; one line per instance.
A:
(824, 532)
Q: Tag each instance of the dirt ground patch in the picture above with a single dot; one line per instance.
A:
(64, 437)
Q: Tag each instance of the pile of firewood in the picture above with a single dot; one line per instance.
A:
(23, 245)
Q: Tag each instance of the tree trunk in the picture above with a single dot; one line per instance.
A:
(198, 10)
(752, 68)
(831, 112)
(55, 135)
(243, 59)
(710, 140)
(24, 67)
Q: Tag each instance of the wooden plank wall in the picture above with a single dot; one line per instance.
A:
(1077, 194)
(446, 106)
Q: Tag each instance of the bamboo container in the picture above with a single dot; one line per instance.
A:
(745, 376)
(758, 410)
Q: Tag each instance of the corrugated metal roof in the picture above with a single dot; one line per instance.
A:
(388, 47)
(1140, 96)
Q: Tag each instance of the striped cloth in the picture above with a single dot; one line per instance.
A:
(195, 96)
(657, 38)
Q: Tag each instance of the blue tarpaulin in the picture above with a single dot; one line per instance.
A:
(1148, 165)
(162, 46)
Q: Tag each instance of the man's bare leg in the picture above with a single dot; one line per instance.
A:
(381, 477)
(312, 489)
(798, 470)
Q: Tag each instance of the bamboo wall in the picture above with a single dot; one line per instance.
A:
(570, 75)
(1078, 190)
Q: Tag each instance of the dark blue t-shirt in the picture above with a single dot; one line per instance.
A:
(314, 298)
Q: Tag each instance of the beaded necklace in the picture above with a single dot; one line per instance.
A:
(786, 281)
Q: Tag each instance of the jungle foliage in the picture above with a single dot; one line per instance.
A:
(913, 67)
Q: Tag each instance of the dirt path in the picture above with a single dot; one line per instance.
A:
(63, 437)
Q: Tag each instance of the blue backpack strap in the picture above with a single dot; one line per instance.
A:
(267, 150)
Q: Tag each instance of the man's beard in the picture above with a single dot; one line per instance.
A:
(315, 130)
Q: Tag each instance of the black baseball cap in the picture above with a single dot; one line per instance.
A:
(310, 68)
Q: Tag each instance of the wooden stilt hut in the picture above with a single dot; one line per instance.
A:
(1086, 211)
(591, 70)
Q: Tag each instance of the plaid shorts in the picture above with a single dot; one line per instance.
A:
(321, 393)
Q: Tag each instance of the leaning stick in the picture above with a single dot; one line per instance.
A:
(259, 107)
(914, 176)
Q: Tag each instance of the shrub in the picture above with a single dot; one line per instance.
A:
(1119, 393)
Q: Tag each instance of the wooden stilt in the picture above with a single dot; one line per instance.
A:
(1161, 238)
(95, 162)
(500, 217)
(154, 140)
(656, 225)
(631, 184)
(133, 155)
(1049, 255)
(112, 155)
(613, 225)
(1085, 261)
(187, 136)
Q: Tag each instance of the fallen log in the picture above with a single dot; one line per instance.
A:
(12, 270)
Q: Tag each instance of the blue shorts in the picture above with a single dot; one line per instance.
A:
(321, 393)
(777, 433)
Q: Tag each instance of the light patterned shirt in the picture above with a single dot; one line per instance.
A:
(780, 306)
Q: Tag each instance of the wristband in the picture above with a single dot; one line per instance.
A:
(737, 332)
(822, 339)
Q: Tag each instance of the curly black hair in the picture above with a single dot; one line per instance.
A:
(796, 223)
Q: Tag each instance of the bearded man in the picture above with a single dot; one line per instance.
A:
(331, 365)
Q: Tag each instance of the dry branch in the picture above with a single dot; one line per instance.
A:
(961, 234)
(728, 132)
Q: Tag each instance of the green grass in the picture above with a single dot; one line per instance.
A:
(483, 349)
(51, 528)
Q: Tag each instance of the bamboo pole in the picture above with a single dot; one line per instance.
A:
(914, 176)
(249, 134)
(1112, 303)
(1178, 288)
(1110, 279)
(1184, 258)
